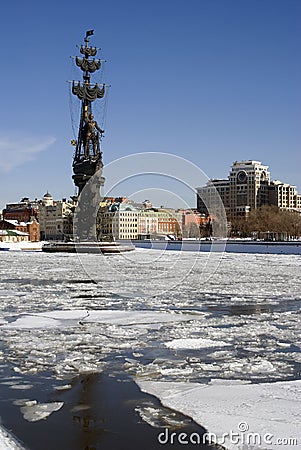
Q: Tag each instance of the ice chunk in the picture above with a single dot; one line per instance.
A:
(194, 343)
(64, 387)
(40, 411)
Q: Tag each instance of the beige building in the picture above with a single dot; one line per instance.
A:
(13, 236)
(126, 221)
(284, 195)
(118, 221)
(249, 181)
(55, 218)
(248, 187)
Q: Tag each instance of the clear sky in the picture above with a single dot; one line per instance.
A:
(213, 81)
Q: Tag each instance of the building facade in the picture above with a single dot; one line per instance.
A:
(249, 181)
(248, 187)
(118, 221)
(147, 223)
(30, 229)
(127, 221)
(284, 195)
(55, 218)
(23, 211)
(213, 196)
(13, 236)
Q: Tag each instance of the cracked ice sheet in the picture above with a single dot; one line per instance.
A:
(269, 409)
(67, 318)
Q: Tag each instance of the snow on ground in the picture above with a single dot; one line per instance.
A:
(263, 416)
(7, 441)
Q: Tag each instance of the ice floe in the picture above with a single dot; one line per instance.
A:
(71, 318)
(194, 343)
(238, 415)
(37, 411)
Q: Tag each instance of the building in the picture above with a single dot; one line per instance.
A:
(55, 218)
(284, 195)
(193, 223)
(214, 196)
(129, 220)
(13, 236)
(249, 181)
(147, 223)
(118, 221)
(45, 219)
(23, 211)
(248, 187)
(29, 229)
(169, 222)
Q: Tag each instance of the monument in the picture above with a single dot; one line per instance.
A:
(87, 159)
(87, 162)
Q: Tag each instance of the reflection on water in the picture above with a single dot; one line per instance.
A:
(248, 309)
(119, 416)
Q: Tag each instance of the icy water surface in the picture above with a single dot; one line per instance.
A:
(167, 317)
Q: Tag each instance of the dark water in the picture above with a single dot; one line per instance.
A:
(98, 413)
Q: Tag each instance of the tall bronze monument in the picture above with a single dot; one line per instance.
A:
(87, 159)
(87, 164)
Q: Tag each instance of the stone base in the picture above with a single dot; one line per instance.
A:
(87, 247)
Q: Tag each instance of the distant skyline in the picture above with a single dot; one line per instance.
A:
(211, 81)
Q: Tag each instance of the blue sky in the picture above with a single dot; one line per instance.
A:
(213, 81)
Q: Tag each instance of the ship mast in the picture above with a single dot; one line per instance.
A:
(88, 156)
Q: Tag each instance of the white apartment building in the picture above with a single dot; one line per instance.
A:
(284, 195)
(118, 221)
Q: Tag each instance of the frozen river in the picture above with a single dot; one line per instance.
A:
(185, 327)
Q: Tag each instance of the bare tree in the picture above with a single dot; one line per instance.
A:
(268, 221)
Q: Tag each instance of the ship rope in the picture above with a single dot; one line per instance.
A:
(74, 104)
(105, 109)
(100, 108)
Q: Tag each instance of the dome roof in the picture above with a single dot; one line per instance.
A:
(47, 195)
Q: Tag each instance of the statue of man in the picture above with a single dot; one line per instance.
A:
(91, 135)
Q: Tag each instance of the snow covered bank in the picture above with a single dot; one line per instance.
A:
(239, 415)
(7, 441)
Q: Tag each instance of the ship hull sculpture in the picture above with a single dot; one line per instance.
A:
(87, 163)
